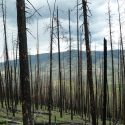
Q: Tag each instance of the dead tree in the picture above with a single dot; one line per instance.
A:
(51, 64)
(70, 68)
(122, 62)
(23, 59)
(89, 63)
(81, 74)
(78, 55)
(59, 58)
(110, 31)
(105, 82)
(1, 91)
(6, 63)
(38, 72)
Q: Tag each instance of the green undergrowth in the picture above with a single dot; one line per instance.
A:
(40, 116)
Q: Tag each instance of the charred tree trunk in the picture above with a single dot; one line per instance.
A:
(23, 58)
(59, 58)
(6, 63)
(51, 64)
(37, 72)
(122, 65)
(105, 82)
(89, 64)
(70, 77)
(1, 91)
(78, 52)
(81, 74)
(113, 93)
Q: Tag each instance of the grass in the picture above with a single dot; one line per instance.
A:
(40, 117)
(56, 117)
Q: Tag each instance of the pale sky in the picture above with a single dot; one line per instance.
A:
(98, 23)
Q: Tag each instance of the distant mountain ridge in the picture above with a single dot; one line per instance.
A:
(44, 58)
(45, 63)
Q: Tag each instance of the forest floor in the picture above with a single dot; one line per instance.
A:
(40, 118)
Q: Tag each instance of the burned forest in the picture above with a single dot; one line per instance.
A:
(62, 62)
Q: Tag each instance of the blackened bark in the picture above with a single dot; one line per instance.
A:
(59, 58)
(78, 52)
(105, 82)
(112, 56)
(6, 64)
(51, 64)
(71, 106)
(89, 64)
(24, 69)
(122, 64)
(1, 91)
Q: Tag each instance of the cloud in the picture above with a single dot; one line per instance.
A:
(98, 23)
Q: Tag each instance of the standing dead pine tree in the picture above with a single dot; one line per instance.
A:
(6, 64)
(59, 58)
(105, 82)
(112, 56)
(122, 63)
(70, 67)
(23, 57)
(89, 63)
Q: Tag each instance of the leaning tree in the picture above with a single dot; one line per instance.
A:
(89, 63)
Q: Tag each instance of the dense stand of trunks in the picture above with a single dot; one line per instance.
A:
(76, 91)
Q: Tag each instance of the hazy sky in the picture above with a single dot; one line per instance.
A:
(98, 23)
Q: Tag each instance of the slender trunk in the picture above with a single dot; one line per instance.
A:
(16, 95)
(105, 83)
(50, 82)
(81, 75)
(79, 99)
(113, 94)
(38, 74)
(1, 90)
(60, 76)
(122, 65)
(6, 64)
(70, 77)
(32, 87)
